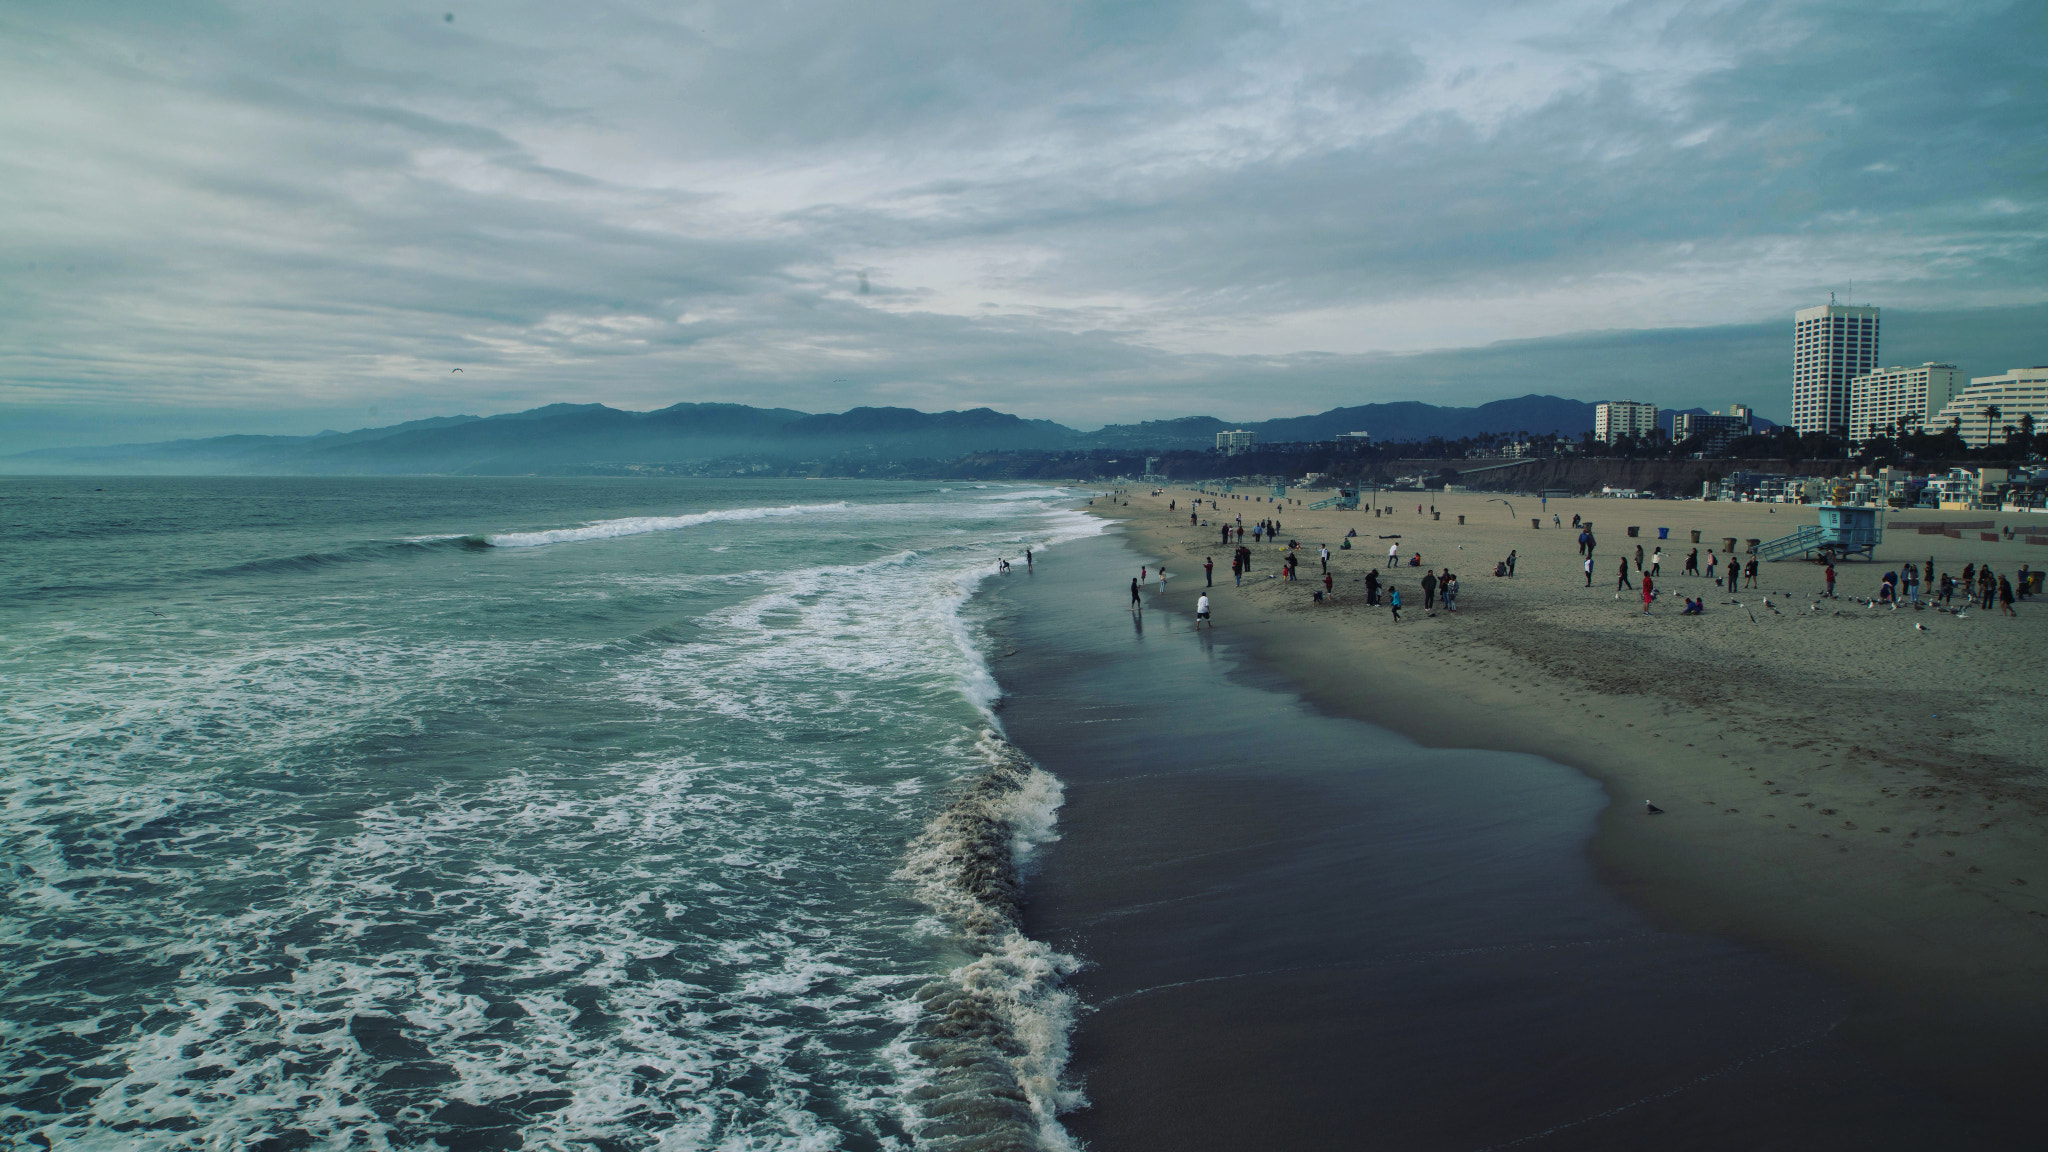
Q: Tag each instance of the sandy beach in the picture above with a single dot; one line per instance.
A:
(1836, 784)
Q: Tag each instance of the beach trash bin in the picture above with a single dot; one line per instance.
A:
(1634, 529)
(1663, 533)
(1535, 523)
(1461, 519)
(1752, 542)
(1727, 543)
(1436, 515)
(1695, 535)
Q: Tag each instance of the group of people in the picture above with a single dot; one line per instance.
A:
(1980, 586)
(1264, 530)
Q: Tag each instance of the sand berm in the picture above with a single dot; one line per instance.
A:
(1836, 783)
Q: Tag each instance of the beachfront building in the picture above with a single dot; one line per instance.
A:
(1991, 404)
(1831, 345)
(1618, 418)
(1715, 429)
(1899, 399)
(1236, 440)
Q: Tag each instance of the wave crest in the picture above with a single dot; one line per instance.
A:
(641, 525)
(994, 1033)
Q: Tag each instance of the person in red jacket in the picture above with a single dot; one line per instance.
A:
(1646, 593)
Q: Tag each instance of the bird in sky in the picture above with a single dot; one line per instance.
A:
(452, 371)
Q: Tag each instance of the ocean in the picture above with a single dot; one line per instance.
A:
(519, 813)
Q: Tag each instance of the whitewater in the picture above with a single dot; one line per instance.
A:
(520, 813)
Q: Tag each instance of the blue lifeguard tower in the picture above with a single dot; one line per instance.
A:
(1346, 498)
(1843, 531)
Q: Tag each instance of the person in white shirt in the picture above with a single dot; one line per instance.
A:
(1326, 557)
(1202, 610)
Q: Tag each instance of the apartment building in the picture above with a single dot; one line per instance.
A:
(1618, 418)
(1991, 404)
(1236, 440)
(1831, 345)
(1899, 398)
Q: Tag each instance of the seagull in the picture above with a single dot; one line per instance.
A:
(1650, 809)
(452, 371)
(1920, 627)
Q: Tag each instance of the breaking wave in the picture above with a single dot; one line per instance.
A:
(640, 525)
(994, 1032)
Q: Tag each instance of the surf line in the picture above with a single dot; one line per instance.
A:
(994, 1031)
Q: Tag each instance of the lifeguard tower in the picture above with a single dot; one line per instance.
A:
(1843, 531)
(1279, 490)
(1346, 499)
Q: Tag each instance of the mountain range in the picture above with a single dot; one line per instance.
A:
(574, 437)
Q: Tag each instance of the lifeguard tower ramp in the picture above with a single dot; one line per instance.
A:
(1843, 531)
(1346, 499)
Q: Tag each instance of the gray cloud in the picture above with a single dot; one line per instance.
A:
(224, 215)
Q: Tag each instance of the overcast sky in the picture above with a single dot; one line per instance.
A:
(278, 217)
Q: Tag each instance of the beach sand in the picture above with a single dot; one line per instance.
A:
(1837, 785)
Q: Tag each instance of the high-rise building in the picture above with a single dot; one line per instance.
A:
(1618, 418)
(1831, 345)
(1715, 429)
(1236, 440)
(2020, 393)
(1899, 398)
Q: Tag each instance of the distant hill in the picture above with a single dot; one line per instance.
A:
(561, 438)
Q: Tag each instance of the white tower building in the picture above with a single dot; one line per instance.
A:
(1831, 345)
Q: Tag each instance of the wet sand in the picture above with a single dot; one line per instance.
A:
(1309, 931)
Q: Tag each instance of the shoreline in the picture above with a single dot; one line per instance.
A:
(1907, 862)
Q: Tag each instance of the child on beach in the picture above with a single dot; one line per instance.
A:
(1648, 593)
(1394, 602)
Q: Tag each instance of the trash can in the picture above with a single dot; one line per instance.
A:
(1461, 519)
(1695, 535)
(1535, 523)
(1633, 529)
(1663, 533)
(1727, 543)
(1752, 542)
(1436, 515)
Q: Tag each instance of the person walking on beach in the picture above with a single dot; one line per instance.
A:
(2005, 598)
(1134, 595)
(1692, 562)
(1393, 555)
(1202, 611)
(1394, 603)
(1511, 563)
(1749, 570)
(1648, 594)
(1208, 571)
(1589, 571)
(1584, 536)
(1027, 559)
(1428, 591)
(1657, 562)
(1948, 589)
(1621, 576)
(1449, 587)
(1326, 557)
(1639, 559)
(1710, 567)
(1829, 576)
(1372, 588)
(1329, 585)
(1734, 574)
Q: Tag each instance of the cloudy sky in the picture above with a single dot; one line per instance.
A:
(283, 216)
